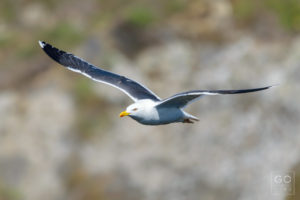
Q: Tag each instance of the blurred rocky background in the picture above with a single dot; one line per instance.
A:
(60, 134)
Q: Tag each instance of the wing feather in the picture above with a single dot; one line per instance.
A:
(181, 100)
(134, 90)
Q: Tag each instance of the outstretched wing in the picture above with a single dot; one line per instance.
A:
(133, 89)
(181, 100)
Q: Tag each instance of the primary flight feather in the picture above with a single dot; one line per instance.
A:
(147, 108)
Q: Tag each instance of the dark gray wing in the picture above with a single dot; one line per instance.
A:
(181, 100)
(133, 89)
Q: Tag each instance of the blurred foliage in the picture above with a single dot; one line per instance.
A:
(286, 11)
(174, 6)
(26, 52)
(5, 40)
(84, 186)
(244, 10)
(7, 193)
(93, 111)
(140, 13)
(83, 91)
(86, 100)
(150, 13)
(64, 33)
(141, 17)
(8, 10)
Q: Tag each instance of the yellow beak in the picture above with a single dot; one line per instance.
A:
(124, 113)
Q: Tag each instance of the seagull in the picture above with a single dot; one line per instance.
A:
(148, 108)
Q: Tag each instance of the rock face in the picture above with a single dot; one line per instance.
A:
(34, 129)
(230, 154)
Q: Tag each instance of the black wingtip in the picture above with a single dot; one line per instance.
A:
(270, 86)
(42, 44)
(52, 52)
(47, 47)
(252, 90)
(240, 91)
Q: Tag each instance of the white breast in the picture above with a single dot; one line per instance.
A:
(153, 116)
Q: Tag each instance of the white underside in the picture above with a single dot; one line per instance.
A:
(152, 115)
(161, 116)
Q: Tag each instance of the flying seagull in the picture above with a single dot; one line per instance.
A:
(147, 108)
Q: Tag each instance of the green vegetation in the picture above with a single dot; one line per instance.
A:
(6, 40)
(26, 52)
(141, 17)
(86, 100)
(244, 10)
(8, 10)
(174, 6)
(286, 11)
(93, 110)
(64, 33)
(83, 91)
(7, 193)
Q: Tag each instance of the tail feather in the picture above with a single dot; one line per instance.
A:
(189, 118)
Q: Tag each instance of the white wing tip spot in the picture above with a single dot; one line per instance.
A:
(42, 44)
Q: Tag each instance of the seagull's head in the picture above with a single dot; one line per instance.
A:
(138, 109)
(132, 110)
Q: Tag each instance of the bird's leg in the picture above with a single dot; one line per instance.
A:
(187, 120)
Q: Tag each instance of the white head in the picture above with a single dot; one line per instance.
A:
(139, 109)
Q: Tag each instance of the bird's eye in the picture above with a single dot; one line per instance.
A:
(135, 109)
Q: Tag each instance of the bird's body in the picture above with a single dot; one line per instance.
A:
(147, 108)
(150, 114)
